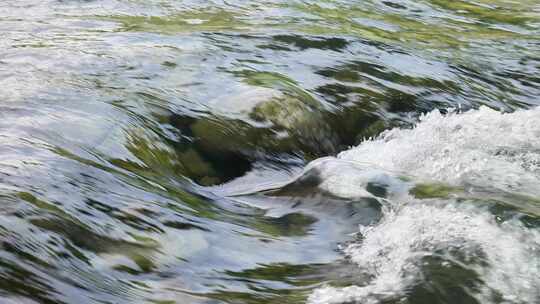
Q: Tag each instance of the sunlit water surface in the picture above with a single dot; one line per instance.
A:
(166, 151)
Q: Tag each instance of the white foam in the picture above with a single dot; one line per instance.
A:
(481, 148)
(392, 251)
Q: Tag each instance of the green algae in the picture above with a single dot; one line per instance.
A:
(434, 190)
(183, 22)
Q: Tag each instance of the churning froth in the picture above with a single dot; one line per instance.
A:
(479, 149)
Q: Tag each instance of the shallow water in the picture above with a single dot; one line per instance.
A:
(200, 151)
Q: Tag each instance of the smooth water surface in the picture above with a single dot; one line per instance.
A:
(165, 151)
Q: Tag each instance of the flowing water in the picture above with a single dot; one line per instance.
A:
(270, 151)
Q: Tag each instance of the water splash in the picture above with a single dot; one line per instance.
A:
(470, 152)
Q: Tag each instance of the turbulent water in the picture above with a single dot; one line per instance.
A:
(271, 151)
(462, 230)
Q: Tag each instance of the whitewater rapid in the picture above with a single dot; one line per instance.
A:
(481, 155)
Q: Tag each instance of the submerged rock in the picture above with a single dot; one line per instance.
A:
(256, 124)
(282, 124)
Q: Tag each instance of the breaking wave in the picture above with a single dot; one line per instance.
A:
(456, 192)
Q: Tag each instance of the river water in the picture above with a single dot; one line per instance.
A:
(270, 151)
